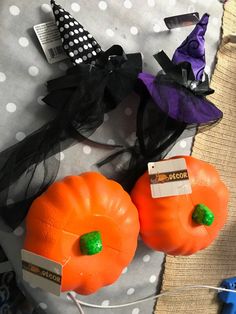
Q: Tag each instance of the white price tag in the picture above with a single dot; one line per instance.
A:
(50, 41)
(41, 272)
(169, 178)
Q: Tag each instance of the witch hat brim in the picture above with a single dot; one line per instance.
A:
(174, 92)
(178, 102)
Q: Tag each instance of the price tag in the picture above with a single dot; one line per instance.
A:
(181, 20)
(41, 272)
(50, 41)
(169, 178)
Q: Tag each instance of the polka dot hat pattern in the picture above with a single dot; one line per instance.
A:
(77, 42)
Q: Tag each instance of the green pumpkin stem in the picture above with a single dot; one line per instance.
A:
(91, 243)
(203, 215)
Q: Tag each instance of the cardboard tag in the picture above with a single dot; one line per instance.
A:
(50, 41)
(41, 272)
(169, 178)
(181, 20)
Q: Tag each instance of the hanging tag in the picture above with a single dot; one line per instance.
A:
(50, 41)
(41, 272)
(169, 178)
(181, 20)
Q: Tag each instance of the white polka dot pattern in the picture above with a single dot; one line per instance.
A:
(78, 43)
(102, 5)
(11, 107)
(135, 311)
(105, 303)
(183, 144)
(87, 149)
(130, 291)
(20, 136)
(60, 156)
(146, 258)
(23, 41)
(14, 10)
(133, 30)
(110, 32)
(111, 142)
(43, 306)
(19, 231)
(75, 7)
(128, 4)
(153, 278)
(2, 77)
(46, 8)
(33, 70)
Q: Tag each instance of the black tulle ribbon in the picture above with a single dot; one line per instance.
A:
(109, 81)
(183, 75)
(162, 117)
(156, 131)
(80, 98)
(156, 134)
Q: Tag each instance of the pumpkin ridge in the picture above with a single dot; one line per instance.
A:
(45, 222)
(80, 180)
(47, 202)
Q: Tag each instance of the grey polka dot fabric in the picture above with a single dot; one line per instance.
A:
(136, 25)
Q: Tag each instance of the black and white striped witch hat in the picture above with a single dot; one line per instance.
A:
(77, 42)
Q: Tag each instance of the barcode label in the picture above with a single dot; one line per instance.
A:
(54, 52)
(50, 41)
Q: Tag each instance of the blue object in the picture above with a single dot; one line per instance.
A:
(229, 298)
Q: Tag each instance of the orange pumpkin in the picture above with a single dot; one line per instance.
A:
(88, 224)
(183, 225)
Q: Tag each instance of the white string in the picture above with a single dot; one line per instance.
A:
(174, 291)
(76, 302)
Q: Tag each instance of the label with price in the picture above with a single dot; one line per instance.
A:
(50, 41)
(169, 178)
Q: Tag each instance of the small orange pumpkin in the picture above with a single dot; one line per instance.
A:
(88, 224)
(183, 225)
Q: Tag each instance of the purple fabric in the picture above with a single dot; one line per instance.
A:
(192, 49)
(178, 102)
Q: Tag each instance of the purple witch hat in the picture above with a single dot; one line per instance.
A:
(170, 103)
(192, 48)
(78, 43)
(180, 92)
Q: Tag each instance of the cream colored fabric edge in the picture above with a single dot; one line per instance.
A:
(217, 146)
